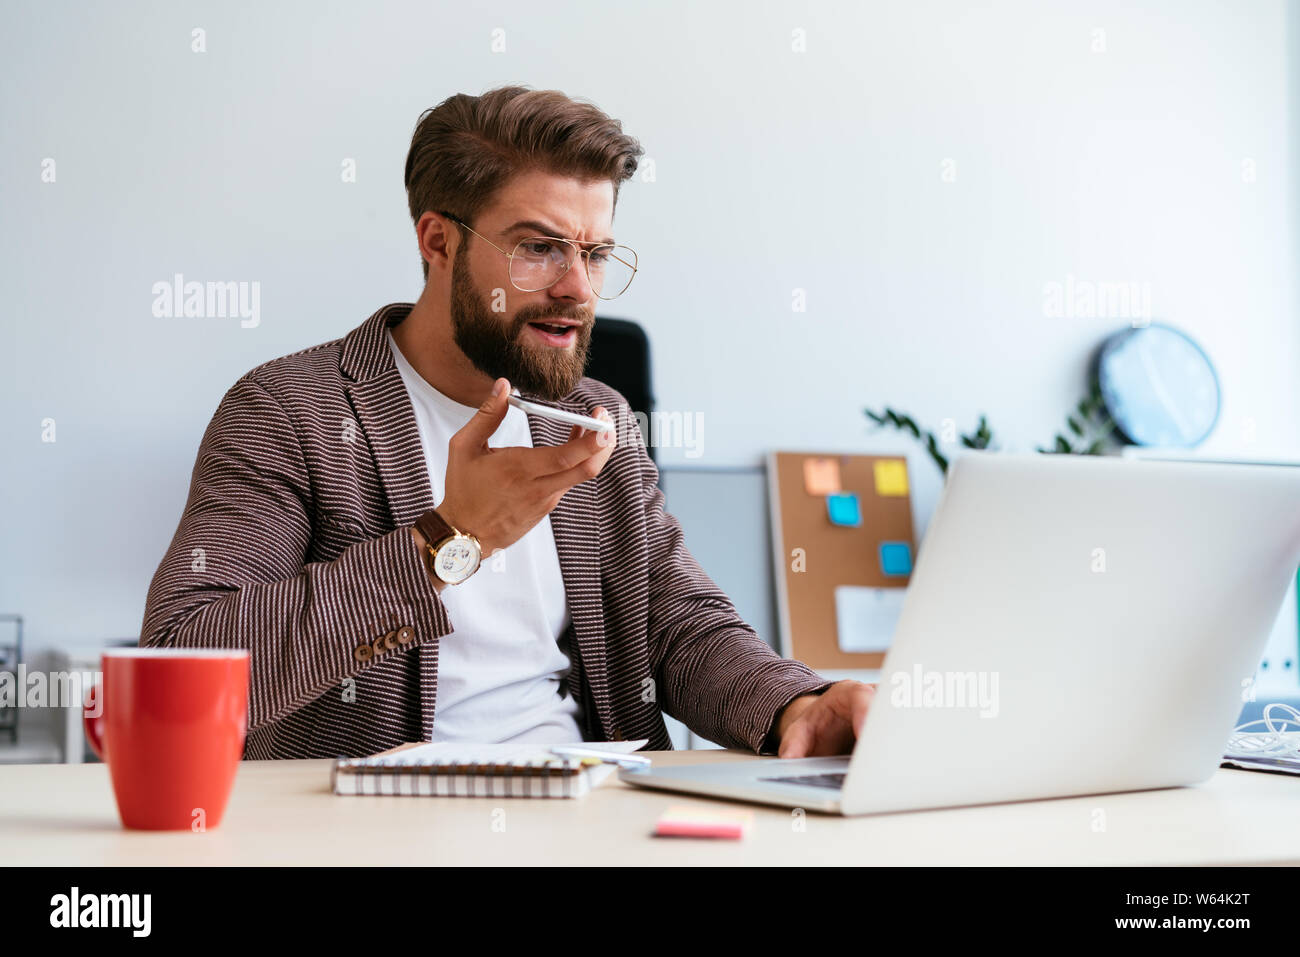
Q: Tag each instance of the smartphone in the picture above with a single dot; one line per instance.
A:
(559, 415)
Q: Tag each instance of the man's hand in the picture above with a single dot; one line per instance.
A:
(497, 495)
(816, 725)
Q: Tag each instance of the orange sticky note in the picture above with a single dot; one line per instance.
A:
(891, 476)
(821, 476)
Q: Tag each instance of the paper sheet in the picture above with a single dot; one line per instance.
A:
(456, 752)
(865, 618)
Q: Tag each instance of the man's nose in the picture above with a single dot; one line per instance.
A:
(575, 283)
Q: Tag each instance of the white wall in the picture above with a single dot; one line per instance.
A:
(774, 170)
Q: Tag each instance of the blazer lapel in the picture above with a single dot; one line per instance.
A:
(383, 407)
(378, 395)
(576, 527)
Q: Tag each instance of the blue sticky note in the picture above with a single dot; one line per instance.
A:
(843, 509)
(895, 558)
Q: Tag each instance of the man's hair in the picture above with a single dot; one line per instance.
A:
(466, 148)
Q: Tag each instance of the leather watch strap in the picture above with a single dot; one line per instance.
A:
(433, 528)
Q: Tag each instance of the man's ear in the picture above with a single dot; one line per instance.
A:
(438, 239)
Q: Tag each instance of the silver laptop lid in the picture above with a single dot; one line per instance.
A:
(1076, 625)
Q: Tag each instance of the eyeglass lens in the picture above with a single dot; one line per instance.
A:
(539, 262)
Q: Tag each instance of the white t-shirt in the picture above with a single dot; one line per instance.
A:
(501, 672)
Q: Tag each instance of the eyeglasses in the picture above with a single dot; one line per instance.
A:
(539, 262)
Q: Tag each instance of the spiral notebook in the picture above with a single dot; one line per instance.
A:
(446, 769)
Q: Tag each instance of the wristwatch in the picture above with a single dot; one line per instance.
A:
(453, 555)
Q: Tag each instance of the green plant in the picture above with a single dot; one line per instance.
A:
(1091, 430)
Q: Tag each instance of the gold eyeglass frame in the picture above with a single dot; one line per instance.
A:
(577, 251)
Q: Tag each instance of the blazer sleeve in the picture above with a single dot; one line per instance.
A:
(714, 672)
(235, 574)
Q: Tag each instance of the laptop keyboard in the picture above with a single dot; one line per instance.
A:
(833, 780)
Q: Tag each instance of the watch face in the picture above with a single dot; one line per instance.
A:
(456, 560)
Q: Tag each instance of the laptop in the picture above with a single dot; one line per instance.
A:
(1073, 625)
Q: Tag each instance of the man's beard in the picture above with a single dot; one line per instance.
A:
(493, 344)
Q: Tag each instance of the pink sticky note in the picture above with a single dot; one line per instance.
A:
(685, 821)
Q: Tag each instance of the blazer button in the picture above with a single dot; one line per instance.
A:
(618, 734)
(363, 653)
(405, 635)
(377, 646)
(390, 640)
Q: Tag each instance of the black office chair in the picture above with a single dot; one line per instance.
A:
(620, 357)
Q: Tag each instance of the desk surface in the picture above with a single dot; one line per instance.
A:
(282, 812)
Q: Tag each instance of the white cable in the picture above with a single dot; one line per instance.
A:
(1274, 742)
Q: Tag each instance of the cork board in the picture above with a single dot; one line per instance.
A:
(813, 555)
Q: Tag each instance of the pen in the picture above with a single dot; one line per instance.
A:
(607, 757)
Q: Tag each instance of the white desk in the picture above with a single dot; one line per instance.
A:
(281, 812)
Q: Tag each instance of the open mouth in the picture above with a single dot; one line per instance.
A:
(556, 335)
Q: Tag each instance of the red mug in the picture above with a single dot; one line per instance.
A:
(171, 730)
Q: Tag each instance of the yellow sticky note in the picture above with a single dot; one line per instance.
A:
(891, 477)
(821, 476)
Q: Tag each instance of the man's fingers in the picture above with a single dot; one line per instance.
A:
(580, 458)
(554, 459)
(481, 426)
(861, 704)
(798, 739)
(817, 733)
(852, 703)
(552, 468)
(605, 440)
(831, 724)
(588, 468)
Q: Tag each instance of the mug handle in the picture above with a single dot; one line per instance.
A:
(94, 723)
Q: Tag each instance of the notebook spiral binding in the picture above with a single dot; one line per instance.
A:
(396, 779)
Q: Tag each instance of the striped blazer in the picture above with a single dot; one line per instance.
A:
(295, 543)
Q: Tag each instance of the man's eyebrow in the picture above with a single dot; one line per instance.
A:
(542, 229)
